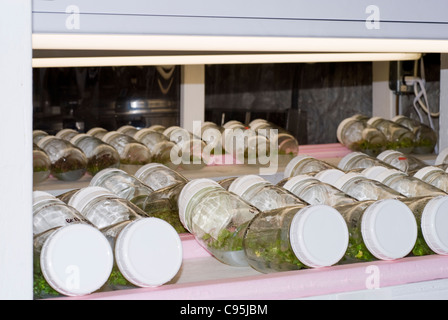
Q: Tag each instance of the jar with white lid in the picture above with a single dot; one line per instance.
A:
(128, 130)
(314, 191)
(399, 138)
(233, 124)
(425, 137)
(362, 188)
(379, 230)
(304, 164)
(97, 132)
(100, 155)
(41, 165)
(355, 134)
(158, 176)
(432, 221)
(359, 160)
(68, 162)
(295, 237)
(66, 134)
(39, 134)
(121, 183)
(71, 257)
(245, 145)
(211, 134)
(157, 127)
(159, 145)
(262, 194)
(147, 250)
(285, 141)
(217, 218)
(329, 176)
(407, 185)
(403, 162)
(130, 150)
(435, 176)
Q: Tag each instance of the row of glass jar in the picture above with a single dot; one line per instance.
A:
(425, 194)
(374, 135)
(117, 232)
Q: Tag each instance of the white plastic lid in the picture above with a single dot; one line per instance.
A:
(140, 133)
(372, 120)
(253, 122)
(122, 129)
(420, 174)
(319, 236)
(61, 133)
(434, 224)
(344, 161)
(94, 131)
(388, 173)
(389, 229)
(83, 197)
(292, 182)
(394, 119)
(169, 130)
(442, 157)
(142, 170)
(97, 177)
(341, 127)
(383, 155)
(293, 163)
(329, 176)
(373, 172)
(106, 138)
(346, 178)
(79, 136)
(76, 260)
(241, 184)
(42, 141)
(40, 196)
(189, 191)
(148, 252)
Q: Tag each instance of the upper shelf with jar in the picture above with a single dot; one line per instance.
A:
(231, 31)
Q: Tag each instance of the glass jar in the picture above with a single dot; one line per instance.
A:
(71, 257)
(399, 138)
(295, 237)
(315, 192)
(407, 185)
(66, 134)
(147, 250)
(435, 176)
(355, 134)
(159, 145)
(359, 160)
(130, 188)
(97, 132)
(130, 150)
(120, 183)
(432, 222)
(38, 134)
(211, 134)
(128, 130)
(68, 162)
(217, 218)
(158, 176)
(286, 142)
(303, 164)
(41, 165)
(401, 161)
(425, 137)
(262, 194)
(361, 188)
(379, 230)
(100, 155)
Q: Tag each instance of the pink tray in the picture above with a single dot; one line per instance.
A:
(289, 285)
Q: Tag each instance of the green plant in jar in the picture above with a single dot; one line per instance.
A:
(295, 237)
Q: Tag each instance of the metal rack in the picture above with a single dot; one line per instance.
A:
(66, 33)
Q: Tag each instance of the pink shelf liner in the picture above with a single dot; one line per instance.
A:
(291, 284)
